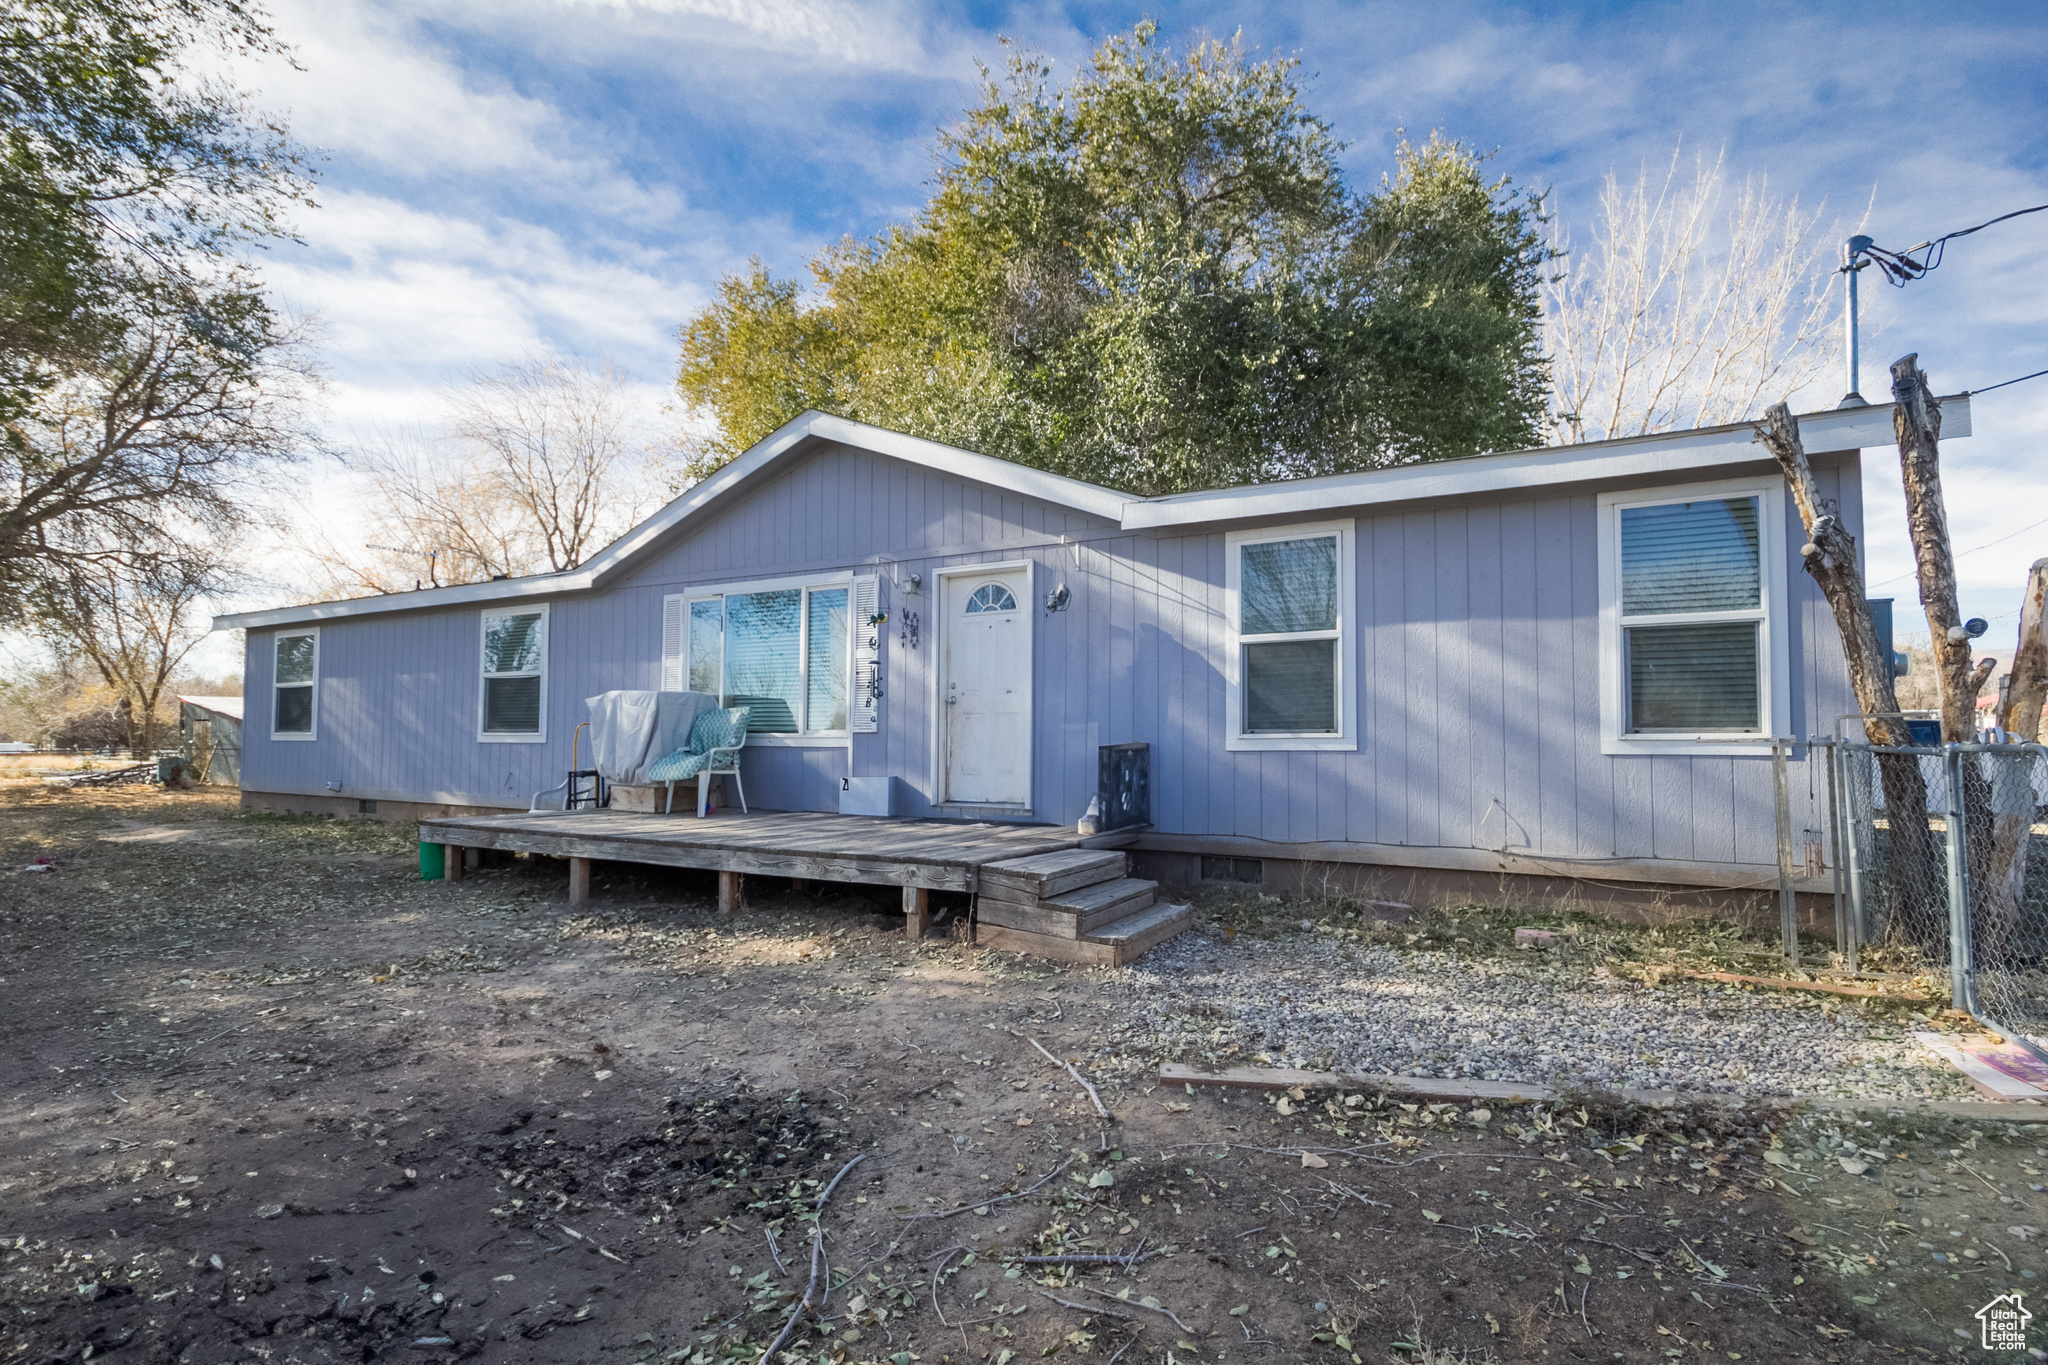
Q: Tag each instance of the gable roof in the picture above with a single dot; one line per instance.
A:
(1670, 453)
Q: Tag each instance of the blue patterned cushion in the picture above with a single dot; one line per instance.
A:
(713, 730)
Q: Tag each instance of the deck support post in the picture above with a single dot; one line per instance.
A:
(579, 880)
(728, 892)
(917, 912)
(799, 886)
(451, 862)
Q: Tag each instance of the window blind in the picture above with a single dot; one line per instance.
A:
(707, 645)
(825, 688)
(1288, 585)
(1694, 677)
(1690, 556)
(1290, 687)
(763, 640)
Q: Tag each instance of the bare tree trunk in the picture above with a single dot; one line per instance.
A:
(1917, 421)
(1832, 565)
(2027, 689)
(1830, 560)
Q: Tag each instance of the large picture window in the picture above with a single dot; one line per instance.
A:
(783, 650)
(1688, 587)
(514, 702)
(1290, 594)
(295, 685)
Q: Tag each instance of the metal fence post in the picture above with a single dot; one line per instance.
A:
(1788, 900)
(1845, 928)
(1962, 967)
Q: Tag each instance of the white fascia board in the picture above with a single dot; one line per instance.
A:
(504, 589)
(1672, 453)
(619, 556)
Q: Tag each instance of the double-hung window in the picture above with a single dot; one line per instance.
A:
(1693, 648)
(513, 705)
(295, 685)
(1292, 680)
(783, 650)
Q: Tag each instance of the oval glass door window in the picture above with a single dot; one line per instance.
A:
(991, 597)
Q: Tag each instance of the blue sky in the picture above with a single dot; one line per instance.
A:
(579, 173)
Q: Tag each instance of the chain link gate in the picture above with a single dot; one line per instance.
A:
(1946, 856)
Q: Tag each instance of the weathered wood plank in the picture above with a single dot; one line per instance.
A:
(1048, 874)
(1078, 950)
(1133, 934)
(1104, 900)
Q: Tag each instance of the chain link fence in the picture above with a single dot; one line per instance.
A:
(1946, 862)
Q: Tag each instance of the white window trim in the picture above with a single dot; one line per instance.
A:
(275, 639)
(935, 631)
(1775, 691)
(1346, 635)
(547, 644)
(808, 739)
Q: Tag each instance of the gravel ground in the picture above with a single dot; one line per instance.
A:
(1332, 999)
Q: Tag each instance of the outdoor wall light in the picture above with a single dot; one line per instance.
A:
(1058, 599)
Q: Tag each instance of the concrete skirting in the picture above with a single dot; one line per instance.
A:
(362, 808)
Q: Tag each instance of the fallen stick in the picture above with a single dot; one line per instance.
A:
(1092, 1096)
(776, 1252)
(837, 1178)
(1079, 1258)
(986, 1203)
(1133, 1303)
(944, 1257)
(817, 1252)
(1087, 1308)
(1784, 983)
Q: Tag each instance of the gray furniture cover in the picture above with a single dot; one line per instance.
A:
(631, 731)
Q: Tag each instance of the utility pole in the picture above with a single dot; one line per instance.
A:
(1852, 262)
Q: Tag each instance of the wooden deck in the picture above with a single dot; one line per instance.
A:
(920, 856)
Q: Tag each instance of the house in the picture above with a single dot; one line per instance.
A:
(1559, 665)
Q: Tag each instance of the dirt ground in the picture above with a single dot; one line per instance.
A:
(271, 1097)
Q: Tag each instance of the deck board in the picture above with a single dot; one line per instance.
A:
(937, 854)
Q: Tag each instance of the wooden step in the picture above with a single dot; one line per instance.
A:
(1048, 874)
(1074, 915)
(1133, 934)
(1115, 944)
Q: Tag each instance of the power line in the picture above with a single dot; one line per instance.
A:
(1972, 550)
(1972, 393)
(1899, 266)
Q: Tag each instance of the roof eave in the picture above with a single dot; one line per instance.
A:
(1667, 453)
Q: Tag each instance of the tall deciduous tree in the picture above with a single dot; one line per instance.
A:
(142, 453)
(1691, 305)
(536, 465)
(114, 155)
(1155, 277)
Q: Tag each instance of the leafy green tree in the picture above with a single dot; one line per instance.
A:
(142, 373)
(1155, 278)
(113, 158)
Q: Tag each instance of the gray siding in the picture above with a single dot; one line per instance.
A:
(1477, 658)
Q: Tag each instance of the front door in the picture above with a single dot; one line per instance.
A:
(985, 689)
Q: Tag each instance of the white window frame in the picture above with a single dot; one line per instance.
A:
(276, 639)
(483, 677)
(1346, 635)
(1774, 661)
(802, 739)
